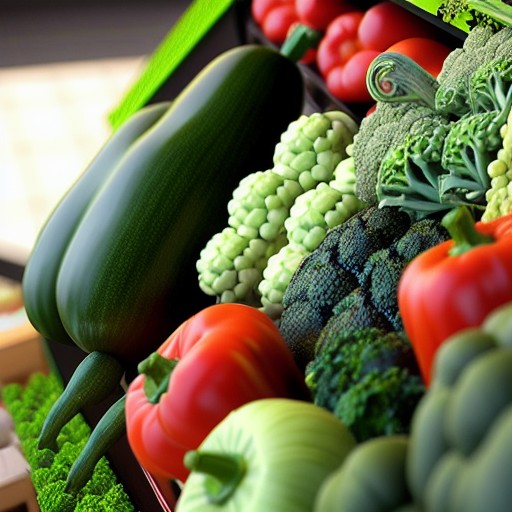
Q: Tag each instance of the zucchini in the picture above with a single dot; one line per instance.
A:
(41, 270)
(124, 270)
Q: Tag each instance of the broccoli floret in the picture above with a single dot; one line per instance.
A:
(471, 144)
(330, 273)
(482, 45)
(409, 174)
(405, 95)
(489, 87)
(231, 265)
(368, 378)
(383, 269)
(351, 279)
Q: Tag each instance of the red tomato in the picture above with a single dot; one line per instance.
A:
(318, 14)
(348, 83)
(386, 23)
(429, 54)
(340, 42)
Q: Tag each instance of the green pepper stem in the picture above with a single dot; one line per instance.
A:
(223, 472)
(157, 370)
(299, 42)
(460, 224)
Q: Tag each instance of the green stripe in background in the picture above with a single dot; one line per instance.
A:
(193, 25)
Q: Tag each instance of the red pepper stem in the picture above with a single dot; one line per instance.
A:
(223, 472)
(299, 42)
(157, 370)
(460, 224)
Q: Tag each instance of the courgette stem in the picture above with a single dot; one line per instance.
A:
(460, 224)
(108, 430)
(223, 472)
(157, 370)
(94, 379)
(299, 42)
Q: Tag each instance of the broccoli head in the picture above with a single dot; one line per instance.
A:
(482, 45)
(330, 273)
(405, 96)
(351, 279)
(409, 174)
(368, 378)
(470, 146)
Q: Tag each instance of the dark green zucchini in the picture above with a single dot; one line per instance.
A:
(123, 272)
(40, 274)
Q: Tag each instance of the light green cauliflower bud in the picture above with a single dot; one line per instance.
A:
(261, 203)
(312, 146)
(230, 266)
(499, 194)
(313, 214)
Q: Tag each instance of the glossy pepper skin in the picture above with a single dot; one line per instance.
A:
(225, 356)
(455, 284)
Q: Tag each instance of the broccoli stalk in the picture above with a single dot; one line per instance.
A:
(368, 378)
(489, 87)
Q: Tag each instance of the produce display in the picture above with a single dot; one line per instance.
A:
(308, 311)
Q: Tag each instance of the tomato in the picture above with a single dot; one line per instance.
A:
(318, 14)
(429, 54)
(348, 83)
(386, 23)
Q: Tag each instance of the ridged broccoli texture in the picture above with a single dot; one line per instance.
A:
(352, 277)
(481, 46)
(368, 378)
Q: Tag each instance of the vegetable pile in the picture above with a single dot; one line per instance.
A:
(360, 272)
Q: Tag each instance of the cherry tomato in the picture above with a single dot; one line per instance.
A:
(429, 54)
(386, 23)
(318, 14)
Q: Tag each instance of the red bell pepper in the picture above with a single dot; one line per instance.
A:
(353, 39)
(455, 284)
(221, 358)
(275, 18)
(318, 14)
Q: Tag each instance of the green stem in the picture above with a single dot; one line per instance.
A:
(157, 370)
(299, 42)
(496, 9)
(461, 226)
(223, 472)
(94, 379)
(108, 430)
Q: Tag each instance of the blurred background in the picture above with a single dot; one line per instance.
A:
(63, 67)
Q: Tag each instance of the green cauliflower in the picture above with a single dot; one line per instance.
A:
(368, 378)
(482, 45)
(231, 265)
